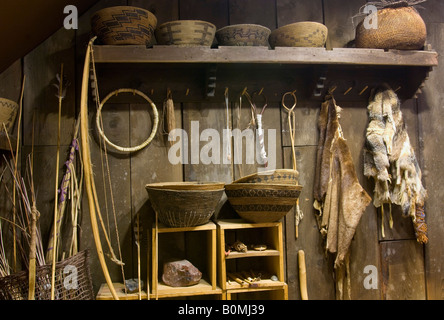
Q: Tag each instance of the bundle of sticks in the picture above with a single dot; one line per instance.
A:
(249, 278)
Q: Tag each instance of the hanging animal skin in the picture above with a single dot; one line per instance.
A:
(390, 160)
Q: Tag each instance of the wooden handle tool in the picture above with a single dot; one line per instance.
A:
(302, 275)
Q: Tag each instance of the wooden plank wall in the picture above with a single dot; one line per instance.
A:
(406, 270)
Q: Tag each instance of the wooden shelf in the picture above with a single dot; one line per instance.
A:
(205, 286)
(271, 259)
(264, 55)
(252, 253)
(202, 288)
(311, 70)
(105, 294)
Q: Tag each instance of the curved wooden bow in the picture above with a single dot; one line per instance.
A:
(88, 172)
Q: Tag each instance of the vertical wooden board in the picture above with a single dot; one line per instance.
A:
(271, 124)
(149, 165)
(261, 12)
(11, 81)
(291, 11)
(402, 277)
(197, 118)
(41, 67)
(320, 282)
(306, 123)
(431, 130)
(338, 19)
(166, 10)
(116, 128)
(213, 11)
(364, 247)
(432, 11)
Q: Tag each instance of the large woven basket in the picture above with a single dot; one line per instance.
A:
(181, 205)
(72, 281)
(278, 176)
(243, 35)
(299, 34)
(8, 113)
(258, 202)
(124, 25)
(398, 28)
(187, 33)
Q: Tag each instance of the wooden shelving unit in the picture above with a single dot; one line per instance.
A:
(312, 70)
(272, 258)
(221, 55)
(206, 286)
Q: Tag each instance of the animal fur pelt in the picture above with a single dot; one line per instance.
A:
(390, 160)
(339, 197)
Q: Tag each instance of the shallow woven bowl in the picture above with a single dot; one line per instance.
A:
(257, 202)
(124, 25)
(398, 28)
(278, 176)
(243, 35)
(184, 204)
(8, 113)
(299, 34)
(187, 33)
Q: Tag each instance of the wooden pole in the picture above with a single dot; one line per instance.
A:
(302, 275)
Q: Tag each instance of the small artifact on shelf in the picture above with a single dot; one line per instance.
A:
(259, 247)
(180, 273)
(238, 246)
(132, 285)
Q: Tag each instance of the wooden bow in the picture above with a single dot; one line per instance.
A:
(88, 172)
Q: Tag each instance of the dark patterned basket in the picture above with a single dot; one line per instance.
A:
(243, 35)
(72, 281)
(124, 25)
(258, 202)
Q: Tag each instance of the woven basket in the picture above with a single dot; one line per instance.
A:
(124, 25)
(299, 34)
(77, 287)
(278, 176)
(181, 205)
(398, 28)
(187, 33)
(258, 202)
(243, 35)
(8, 113)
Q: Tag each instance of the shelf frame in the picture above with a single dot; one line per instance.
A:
(264, 55)
(204, 287)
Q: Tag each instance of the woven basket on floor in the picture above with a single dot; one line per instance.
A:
(259, 202)
(185, 207)
(299, 34)
(187, 33)
(398, 28)
(124, 25)
(8, 113)
(243, 35)
(72, 281)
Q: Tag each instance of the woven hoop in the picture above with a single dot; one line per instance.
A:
(153, 131)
